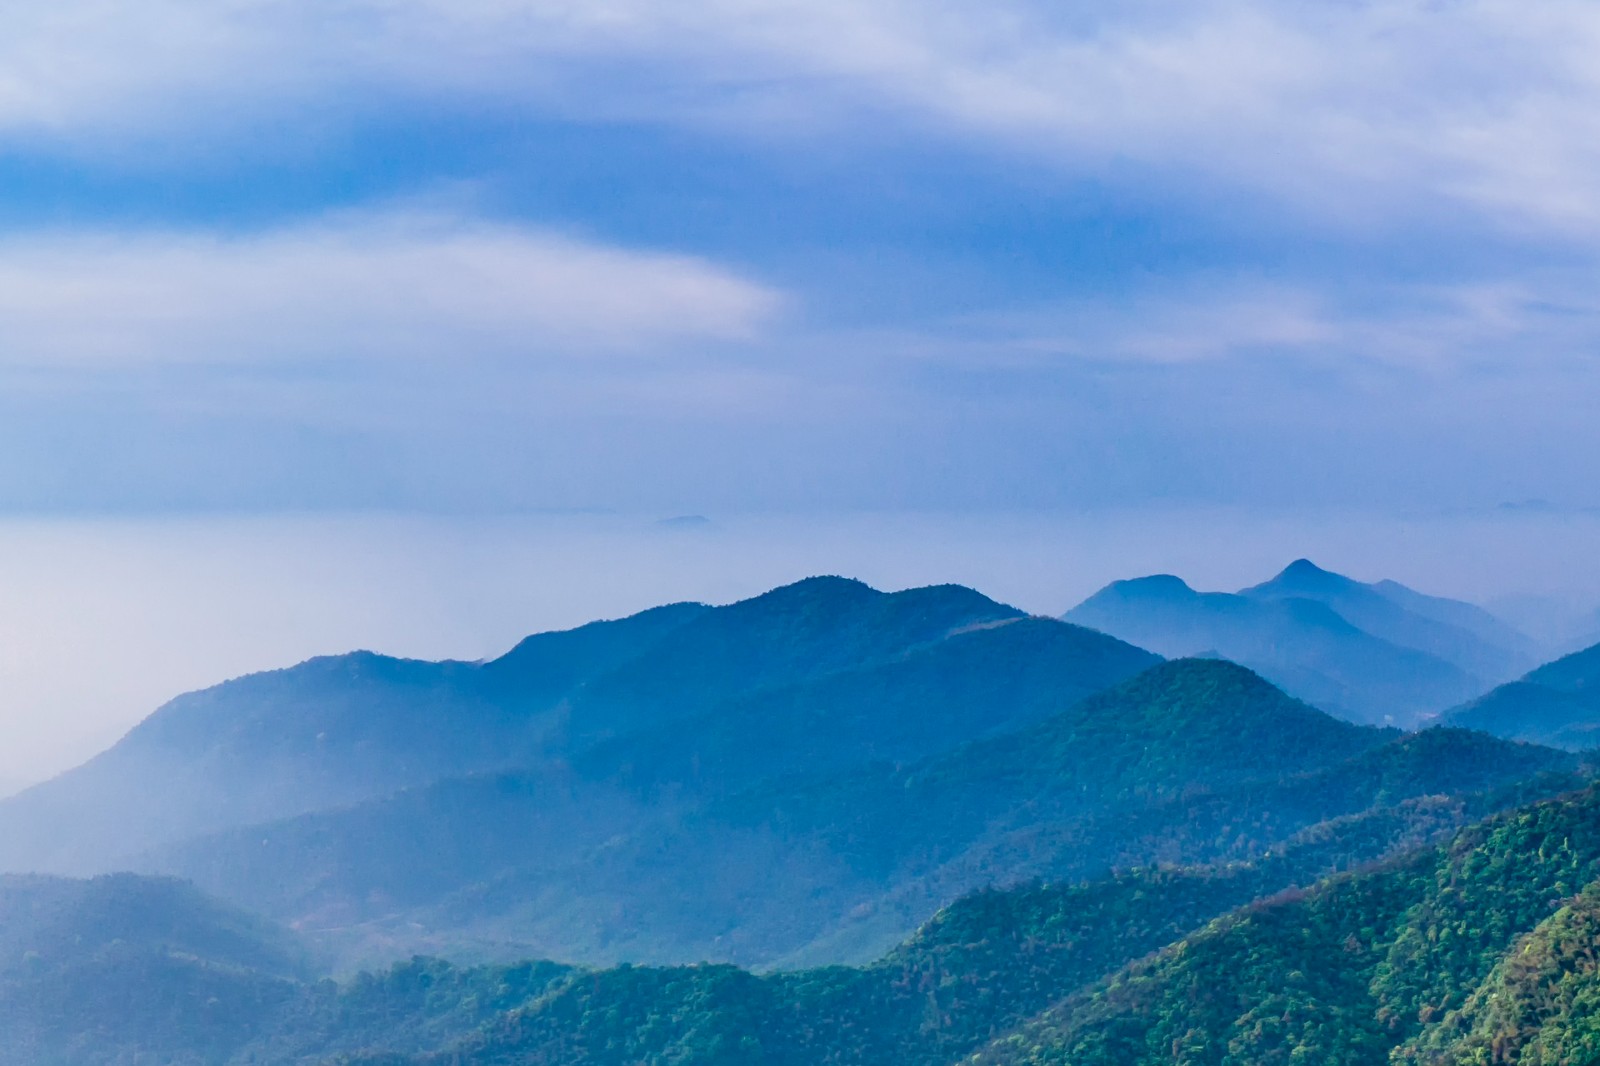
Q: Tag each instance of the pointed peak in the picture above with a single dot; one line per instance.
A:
(1304, 577)
(1303, 569)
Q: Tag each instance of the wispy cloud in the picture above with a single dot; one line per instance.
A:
(1484, 103)
(1431, 329)
(366, 286)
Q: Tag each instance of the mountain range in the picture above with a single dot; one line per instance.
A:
(1377, 652)
(804, 776)
(823, 825)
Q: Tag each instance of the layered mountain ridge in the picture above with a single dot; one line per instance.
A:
(1433, 931)
(1378, 652)
(823, 825)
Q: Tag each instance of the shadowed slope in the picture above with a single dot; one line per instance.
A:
(343, 729)
(1194, 761)
(1557, 704)
(1299, 642)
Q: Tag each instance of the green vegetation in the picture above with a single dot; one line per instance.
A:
(126, 970)
(1358, 938)
(1362, 966)
(1540, 1005)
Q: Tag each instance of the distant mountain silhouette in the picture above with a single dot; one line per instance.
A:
(1462, 634)
(1370, 652)
(1557, 704)
(342, 729)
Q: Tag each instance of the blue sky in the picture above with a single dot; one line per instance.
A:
(507, 255)
(1060, 284)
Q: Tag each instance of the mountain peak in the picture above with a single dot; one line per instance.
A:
(820, 587)
(1202, 689)
(1304, 578)
(1302, 571)
(1153, 586)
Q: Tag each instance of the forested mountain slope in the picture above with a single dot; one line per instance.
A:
(130, 970)
(1358, 968)
(1557, 704)
(1540, 1005)
(1189, 762)
(982, 977)
(1422, 953)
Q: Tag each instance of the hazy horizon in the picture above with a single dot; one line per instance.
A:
(1017, 270)
(109, 618)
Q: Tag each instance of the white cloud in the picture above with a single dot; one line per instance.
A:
(366, 286)
(1431, 329)
(1487, 103)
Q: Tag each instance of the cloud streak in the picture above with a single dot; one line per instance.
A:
(1484, 104)
(370, 286)
(1532, 324)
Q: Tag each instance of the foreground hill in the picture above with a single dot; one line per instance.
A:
(1413, 963)
(1540, 1005)
(1016, 962)
(1557, 704)
(132, 971)
(127, 970)
(1370, 652)
(1189, 762)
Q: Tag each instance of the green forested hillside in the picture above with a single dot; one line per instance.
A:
(1357, 968)
(1477, 949)
(128, 970)
(1540, 1005)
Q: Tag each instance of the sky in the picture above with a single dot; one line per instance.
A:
(477, 260)
(520, 255)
